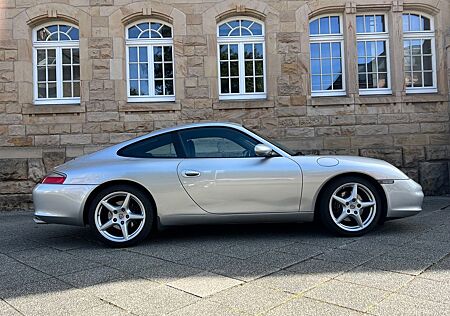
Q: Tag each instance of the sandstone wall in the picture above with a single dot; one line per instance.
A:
(411, 131)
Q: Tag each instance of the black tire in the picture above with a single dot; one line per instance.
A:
(328, 206)
(137, 194)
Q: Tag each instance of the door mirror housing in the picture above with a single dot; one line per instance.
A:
(262, 150)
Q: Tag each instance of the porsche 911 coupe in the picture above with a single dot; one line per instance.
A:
(219, 173)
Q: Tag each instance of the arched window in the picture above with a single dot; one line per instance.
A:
(150, 68)
(373, 54)
(419, 53)
(56, 58)
(241, 59)
(326, 53)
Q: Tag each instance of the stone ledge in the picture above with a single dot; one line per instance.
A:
(150, 107)
(243, 104)
(53, 109)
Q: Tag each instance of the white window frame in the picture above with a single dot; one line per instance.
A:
(329, 38)
(149, 43)
(423, 35)
(240, 41)
(377, 36)
(58, 46)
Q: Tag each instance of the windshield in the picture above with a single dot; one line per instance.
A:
(277, 144)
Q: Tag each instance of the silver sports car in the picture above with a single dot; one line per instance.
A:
(219, 173)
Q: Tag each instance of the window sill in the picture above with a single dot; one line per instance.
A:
(52, 108)
(150, 106)
(375, 92)
(421, 90)
(243, 97)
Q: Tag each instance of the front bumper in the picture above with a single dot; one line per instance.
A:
(404, 198)
(60, 204)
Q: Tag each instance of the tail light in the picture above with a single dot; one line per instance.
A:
(54, 178)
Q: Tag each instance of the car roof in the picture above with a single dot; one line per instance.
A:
(193, 125)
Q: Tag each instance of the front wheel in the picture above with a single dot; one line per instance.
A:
(121, 215)
(350, 206)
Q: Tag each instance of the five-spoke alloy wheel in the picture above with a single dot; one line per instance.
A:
(121, 215)
(350, 206)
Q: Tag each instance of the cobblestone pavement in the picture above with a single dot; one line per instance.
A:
(296, 269)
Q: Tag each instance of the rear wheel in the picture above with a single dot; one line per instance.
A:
(121, 215)
(350, 206)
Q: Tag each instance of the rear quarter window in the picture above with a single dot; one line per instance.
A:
(160, 146)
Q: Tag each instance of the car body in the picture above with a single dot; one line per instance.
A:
(213, 181)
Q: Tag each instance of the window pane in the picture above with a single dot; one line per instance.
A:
(416, 47)
(414, 21)
(41, 57)
(75, 56)
(223, 69)
(258, 51)
(248, 51)
(66, 56)
(381, 48)
(256, 29)
(327, 82)
(371, 49)
(315, 82)
(379, 23)
(259, 84)
(427, 63)
(143, 71)
(52, 90)
(233, 52)
(41, 73)
(249, 87)
(132, 54)
(51, 56)
(42, 90)
(337, 82)
(76, 89)
(159, 87)
(382, 66)
(168, 70)
(324, 25)
(76, 72)
(362, 66)
(372, 81)
(407, 48)
(143, 54)
(67, 73)
(133, 32)
(134, 90)
(315, 50)
(417, 79)
(334, 23)
(408, 79)
(426, 47)
(169, 87)
(371, 65)
(160, 146)
(382, 80)
(224, 86)
(157, 53)
(234, 68)
(326, 66)
(428, 79)
(157, 68)
(336, 64)
(362, 81)
(224, 29)
(234, 85)
(314, 27)
(361, 49)
(315, 67)
(133, 71)
(223, 52)
(325, 50)
(249, 68)
(74, 34)
(405, 22)
(168, 53)
(417, 63)
(143, 87)
(166, 31)
(426, 25)
(360, 24)
(51, 73)
(67, 89)
(407, 63)
(370, 23)
(336, 49)
(259, 68)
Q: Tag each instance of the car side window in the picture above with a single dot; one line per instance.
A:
(217, 142)
(160, 146)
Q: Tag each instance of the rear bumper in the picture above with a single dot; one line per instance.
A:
(60, 204)
(404, 198)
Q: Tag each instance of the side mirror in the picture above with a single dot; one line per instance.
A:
(262, 150)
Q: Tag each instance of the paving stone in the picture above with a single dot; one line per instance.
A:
(316, 266)
(400, 305)
(380, 279)
(412, 265)
(439, 271)
(12, 276)
(277, 258)
(251, 299)
(104, 309)
(204, 307)
(308, 307)
(346, 256)
(206, 261)
(7, 310)
(165, 251)
(428, 290)
(347, 295)
(114, 289)
(92, 276)
(304, 250)
(244, 270)
(204, 284)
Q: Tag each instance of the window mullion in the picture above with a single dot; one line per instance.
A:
(151, 71)
(59, 74)
(241, 68)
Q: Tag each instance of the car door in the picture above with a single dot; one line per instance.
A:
(223, 175)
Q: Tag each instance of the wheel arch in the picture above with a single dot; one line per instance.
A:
(355, 174)
(116, 182)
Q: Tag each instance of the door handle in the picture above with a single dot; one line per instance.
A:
(191, 173)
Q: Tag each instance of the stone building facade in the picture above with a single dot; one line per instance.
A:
(410, 130)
